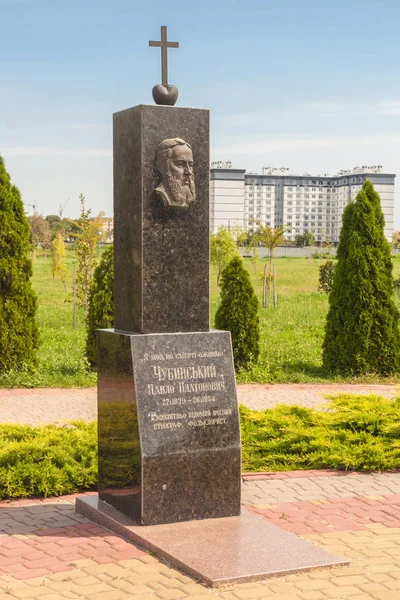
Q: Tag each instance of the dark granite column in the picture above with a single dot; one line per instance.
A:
(161, 252)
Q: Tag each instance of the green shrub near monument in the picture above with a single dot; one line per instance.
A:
(237, 313)
(101, 303)
(362, 332)
(19, 336)
(360, 433)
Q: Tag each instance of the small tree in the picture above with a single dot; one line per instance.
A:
(57, 253)
(19, 336)
(40, 233)
(90, 232)
(305, 239)
(271, 238)
(222, 249)
(254, 256)
(361, 333)
(237, 313)
(101, 303)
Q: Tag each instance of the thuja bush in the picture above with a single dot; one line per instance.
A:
(101, 303)
(238, 313)
(362, 333)
(19, 334)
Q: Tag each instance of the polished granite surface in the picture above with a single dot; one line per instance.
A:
(169, 435)
(161, 281)
(217, 551)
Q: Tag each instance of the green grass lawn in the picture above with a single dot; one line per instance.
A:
(291, 337)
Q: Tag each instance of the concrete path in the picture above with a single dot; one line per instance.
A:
(47, 552)
(59, 405)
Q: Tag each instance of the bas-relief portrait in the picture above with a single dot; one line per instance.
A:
(175, 164)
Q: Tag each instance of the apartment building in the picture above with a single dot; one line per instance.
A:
(301, 202)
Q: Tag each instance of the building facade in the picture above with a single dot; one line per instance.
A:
(300, 202)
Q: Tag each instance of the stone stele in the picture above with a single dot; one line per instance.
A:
(161, 264)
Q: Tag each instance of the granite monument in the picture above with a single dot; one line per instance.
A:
(169, 439)
(168, 423)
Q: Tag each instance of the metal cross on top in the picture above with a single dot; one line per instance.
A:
(164, 44)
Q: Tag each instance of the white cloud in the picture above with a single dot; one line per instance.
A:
(17, 151)
(257, 146)
(389, 108)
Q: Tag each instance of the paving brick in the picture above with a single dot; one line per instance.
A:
(192, 588)
(342, 592)
(310, 585)
(311, 595)
(175, 583)
(94, 589)
(172, 594)
(373, 588)
(32, 592)
(346, 580)
(249, 593)
(145, 597)
(49, 597)
(144, 578)
(111, 595)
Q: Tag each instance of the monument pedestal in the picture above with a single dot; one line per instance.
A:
(168, 422)
(217, 551)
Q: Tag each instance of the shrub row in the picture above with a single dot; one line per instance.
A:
(355, 433)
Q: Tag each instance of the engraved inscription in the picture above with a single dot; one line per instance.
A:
(188, 395)
(175, 165)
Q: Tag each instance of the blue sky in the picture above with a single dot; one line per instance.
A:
(311, 85)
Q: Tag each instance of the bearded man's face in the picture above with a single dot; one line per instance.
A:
(179, 175)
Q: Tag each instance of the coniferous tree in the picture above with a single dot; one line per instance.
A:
(101, 303)
(19, 335)
(237, 313)
(361, 333)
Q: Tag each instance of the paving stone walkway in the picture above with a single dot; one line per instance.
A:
(59, 405)
(47, 552)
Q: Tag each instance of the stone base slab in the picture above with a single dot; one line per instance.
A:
(216, 551)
